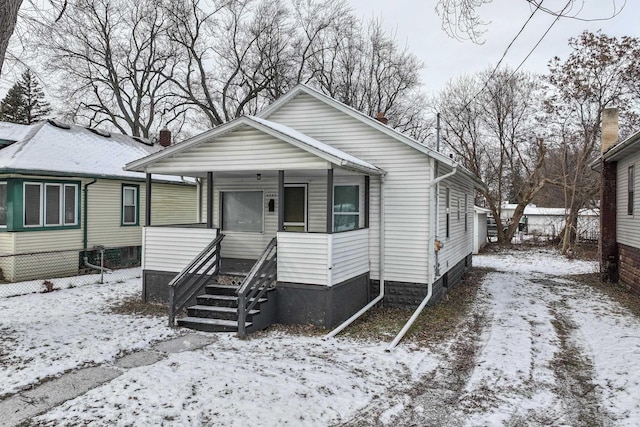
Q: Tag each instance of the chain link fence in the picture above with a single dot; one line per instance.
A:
(31, 272)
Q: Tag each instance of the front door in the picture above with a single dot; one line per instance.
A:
(295, 207)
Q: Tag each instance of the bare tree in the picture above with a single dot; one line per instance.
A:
(461, 20)
(600, 72)
(8, 18)
(112, 57)
(491, 127)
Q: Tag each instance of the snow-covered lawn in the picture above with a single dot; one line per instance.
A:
(540, 349)
(45, 334)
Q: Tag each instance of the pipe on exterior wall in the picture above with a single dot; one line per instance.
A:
(85, 234)
(431, 281)
(380, 296)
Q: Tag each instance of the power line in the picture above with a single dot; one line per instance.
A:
(486, 83)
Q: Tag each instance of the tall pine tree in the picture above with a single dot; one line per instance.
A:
(24, 103)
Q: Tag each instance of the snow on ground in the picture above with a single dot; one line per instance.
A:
(551, 351)
(555, 351)
(271, 381)
(32, 286)
(46, 334)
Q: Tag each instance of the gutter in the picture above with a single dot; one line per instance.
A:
(437, 247)
(379, 298)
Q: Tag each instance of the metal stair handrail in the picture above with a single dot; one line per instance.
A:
(261, 277)
(192, 279)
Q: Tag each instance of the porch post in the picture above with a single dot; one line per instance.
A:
(367, 192)
(281, 200)
(147, 213)
(209, 199)
(329, 200)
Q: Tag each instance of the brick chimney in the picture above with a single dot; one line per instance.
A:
(381, 118)
(609, 129)
(165, 137)
(608, 244)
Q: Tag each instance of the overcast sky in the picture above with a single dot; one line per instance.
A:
(416, 23)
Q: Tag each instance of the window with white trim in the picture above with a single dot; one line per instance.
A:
(49, 204)
(242, 211)
(129, 205)
(346, 207)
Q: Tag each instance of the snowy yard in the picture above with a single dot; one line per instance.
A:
(537, 348)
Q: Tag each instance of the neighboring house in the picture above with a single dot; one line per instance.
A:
(352, 204)
(619, 206)
(481, 233)
(549, 222)
(63, 191)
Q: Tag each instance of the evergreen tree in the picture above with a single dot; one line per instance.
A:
(24, 103)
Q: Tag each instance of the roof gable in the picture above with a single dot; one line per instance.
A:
(279, 147)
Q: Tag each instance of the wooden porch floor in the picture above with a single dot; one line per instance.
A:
(236, 266)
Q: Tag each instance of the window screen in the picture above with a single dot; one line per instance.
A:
(52, 204)
(70, 204)
(32, 205)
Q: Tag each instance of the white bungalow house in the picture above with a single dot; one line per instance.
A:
(353, 210)
(63, 192)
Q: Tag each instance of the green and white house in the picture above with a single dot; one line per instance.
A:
(64, 192)
(354, 210)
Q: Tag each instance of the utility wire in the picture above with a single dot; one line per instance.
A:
(486, 83)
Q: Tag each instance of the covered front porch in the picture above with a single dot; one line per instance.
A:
(314, 200)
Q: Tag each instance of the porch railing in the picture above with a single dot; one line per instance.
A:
(261, 277)
(192, 279)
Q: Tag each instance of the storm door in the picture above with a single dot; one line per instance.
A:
(295, 207)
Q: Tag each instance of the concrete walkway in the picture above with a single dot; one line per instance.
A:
(26, 404)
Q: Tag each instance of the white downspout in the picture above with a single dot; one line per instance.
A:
(426, 299)
(377, 299)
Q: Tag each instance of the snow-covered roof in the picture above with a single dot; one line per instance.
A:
(13, 131)
(533, 210)
(51, 147)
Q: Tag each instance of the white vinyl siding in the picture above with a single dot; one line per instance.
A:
(244, 149)
(406, 184)
(459, 243)
(627, 226)
(349, 254)
(173, 248)
(322, 259)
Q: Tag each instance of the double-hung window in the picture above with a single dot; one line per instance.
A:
(130, 204)
(346, 207)
(48, 204)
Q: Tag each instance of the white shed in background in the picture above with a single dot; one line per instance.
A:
(480, 216)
